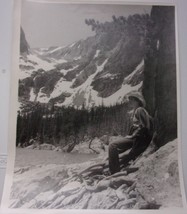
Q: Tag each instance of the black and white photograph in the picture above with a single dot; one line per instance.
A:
(97, 108)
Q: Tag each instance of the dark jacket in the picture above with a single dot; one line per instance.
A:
(142, 138)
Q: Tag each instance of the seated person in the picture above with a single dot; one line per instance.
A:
(139, 137)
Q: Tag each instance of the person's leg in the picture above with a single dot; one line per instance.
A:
(114, 149)
(132, 155)
(125, 159)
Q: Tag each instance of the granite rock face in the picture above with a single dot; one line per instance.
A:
(24, 46)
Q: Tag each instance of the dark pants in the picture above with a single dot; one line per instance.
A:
(115, 149)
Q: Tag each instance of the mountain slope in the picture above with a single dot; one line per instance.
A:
(24, 46)
(101, 69)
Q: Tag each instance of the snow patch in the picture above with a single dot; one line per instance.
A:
(71, 45)
(32, 95)
(118, 96)
(61, 86)
(25, 62)
(111, 76)
(86, 87)
(135, 71)
(90, 96)
(41, 63)
(77, 58)
(64, 71)
(97, 53)
(42, 97)
(84, 91)
(58, 61)
(56, 49)
(24, 74)
(44, 49)
(33, 63)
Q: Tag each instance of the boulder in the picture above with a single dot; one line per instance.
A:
(158, 177)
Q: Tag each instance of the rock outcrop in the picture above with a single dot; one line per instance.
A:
(151, 182)
(91, 70)
(24, 46)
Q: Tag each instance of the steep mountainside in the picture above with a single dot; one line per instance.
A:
(24, 46)
(101, 69)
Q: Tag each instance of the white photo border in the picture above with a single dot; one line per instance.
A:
(13, 110)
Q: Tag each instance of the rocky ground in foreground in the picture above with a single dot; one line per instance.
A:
(151, 182)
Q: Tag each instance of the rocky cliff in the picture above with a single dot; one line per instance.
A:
(100, 69)
(24, 46)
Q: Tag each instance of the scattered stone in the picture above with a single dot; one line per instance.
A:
(153, 183)
(132, 194)
(103, 200)
(129, 203)
(72, 186)
(105, 139)
(30, 147)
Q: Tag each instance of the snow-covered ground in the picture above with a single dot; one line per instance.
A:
(33, 62)
(36, 63)
(130, 76)
(63, 71)
(89, 95)
(83, 92)
(56, 49)
(97, 53)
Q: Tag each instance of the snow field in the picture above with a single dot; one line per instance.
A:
(85, 91)
(91, 96)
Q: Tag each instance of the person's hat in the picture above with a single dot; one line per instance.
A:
(137, 97)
